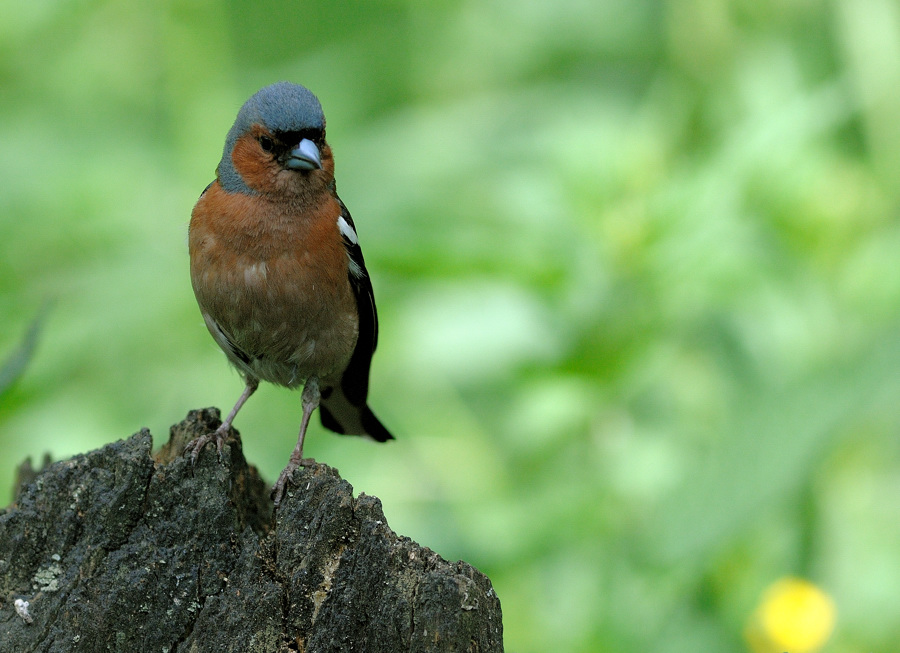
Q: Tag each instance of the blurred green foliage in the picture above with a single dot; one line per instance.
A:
(14, 365)
(636, 265)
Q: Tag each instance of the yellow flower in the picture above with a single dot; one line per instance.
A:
(794, 616)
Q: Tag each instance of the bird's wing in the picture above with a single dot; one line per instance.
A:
(355, 382)
(343, 409)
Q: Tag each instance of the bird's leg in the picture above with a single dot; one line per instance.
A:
(310, 401)
(194, 447)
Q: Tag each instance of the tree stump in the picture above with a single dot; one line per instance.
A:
(116, 550)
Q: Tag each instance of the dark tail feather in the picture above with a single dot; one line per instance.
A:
(340, 416)
(374, 427)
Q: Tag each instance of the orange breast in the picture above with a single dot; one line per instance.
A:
(273, 276)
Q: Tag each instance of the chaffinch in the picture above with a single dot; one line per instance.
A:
(278, 273)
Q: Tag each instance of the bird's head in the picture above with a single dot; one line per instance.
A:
(277, 145)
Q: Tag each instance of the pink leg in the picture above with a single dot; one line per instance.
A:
(310, 401)
(220, 434)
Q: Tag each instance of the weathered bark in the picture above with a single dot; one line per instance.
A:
(116, 550)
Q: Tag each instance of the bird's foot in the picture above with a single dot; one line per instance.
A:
(194, 447)
(286, 477)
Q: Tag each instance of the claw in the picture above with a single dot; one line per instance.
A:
(287, 477)
(194, 447)
(221, 434)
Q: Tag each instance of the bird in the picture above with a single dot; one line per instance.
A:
(278, 273)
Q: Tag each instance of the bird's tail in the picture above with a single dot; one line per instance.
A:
(341, 416)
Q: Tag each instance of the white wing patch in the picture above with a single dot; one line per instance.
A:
(355, 269)
(348, 232)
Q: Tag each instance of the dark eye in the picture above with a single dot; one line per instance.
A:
(266, 143)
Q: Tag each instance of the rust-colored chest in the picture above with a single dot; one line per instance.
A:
(273, 278)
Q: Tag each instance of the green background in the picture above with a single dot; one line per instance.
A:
(637, 265)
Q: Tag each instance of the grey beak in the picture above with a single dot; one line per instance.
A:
(305, 157)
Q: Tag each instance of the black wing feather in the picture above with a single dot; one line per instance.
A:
(344, 409)
(355, 382)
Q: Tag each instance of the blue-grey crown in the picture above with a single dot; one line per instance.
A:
(279, 107)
